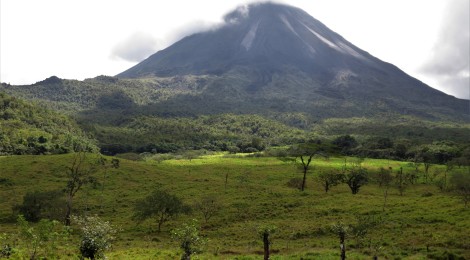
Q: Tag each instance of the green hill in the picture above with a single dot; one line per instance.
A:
(424, 222)
(27, 128)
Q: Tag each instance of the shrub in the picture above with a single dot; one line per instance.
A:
(295, 183)
(96, 236)
(39, 205)
(190, 240)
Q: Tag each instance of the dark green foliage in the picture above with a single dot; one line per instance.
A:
(6, 182)
(329, 179)
(32, 129)
(345, 143)
(305, 152)
(163, 115)
(189, 239)
(39, 205)
(356, 178)
(160, 205)
(461, 185)
(384, 177)
(234, 133)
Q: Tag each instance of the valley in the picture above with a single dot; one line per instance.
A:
(424, 222)
(269, 136)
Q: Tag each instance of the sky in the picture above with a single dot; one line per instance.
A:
(78, 39)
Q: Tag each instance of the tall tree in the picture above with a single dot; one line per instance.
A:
(79, 173)
(306, 152)
(160, 205)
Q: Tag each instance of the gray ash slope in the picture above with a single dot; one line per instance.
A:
(270, 57)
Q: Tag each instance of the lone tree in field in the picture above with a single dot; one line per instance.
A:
(79, 173)
(401, 181)
(208, 206)
(159, 205)
(342, 231)
(356, 178)
(305, 152)
(96, 236)
(114, 164)
(461, 186)
(190, 240)
(330, 179)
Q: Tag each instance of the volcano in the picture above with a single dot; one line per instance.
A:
(273, 57)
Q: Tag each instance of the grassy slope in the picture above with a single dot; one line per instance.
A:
(256, 194)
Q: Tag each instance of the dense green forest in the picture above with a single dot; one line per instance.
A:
(27, 128)
(119, 125)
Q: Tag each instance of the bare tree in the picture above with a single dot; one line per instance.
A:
(208, 206)
(79, 173)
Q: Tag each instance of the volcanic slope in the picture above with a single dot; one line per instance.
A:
(277, 58)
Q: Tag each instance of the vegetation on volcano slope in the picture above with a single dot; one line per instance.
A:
(218, 113)
(424, 222)
(33, 129)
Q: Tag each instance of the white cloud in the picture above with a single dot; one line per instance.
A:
(136, 47)
(449, 62)
(80, 39)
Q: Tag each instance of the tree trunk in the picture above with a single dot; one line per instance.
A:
(304, 180)
(385, 199)
(186, 256)
(68, 212)
(160, 222)
(342, 246)
(266, 245)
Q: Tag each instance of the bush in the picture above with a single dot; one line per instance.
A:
(356, 178)
(160, 205)
(190, 240)
(39, 205)
(96, 236)
(295, 183)
(41, 239)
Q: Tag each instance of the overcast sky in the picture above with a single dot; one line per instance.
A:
(78, 39)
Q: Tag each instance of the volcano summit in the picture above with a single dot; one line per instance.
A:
(275, 57)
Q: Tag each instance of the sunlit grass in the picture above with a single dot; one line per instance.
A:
(253, 191)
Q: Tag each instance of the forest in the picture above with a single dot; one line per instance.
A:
(229, 186)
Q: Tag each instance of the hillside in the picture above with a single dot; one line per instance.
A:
(422, 223)
(33, 129)
(274, 65)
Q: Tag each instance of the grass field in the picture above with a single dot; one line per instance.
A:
(423, 223)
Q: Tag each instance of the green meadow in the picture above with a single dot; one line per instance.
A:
(423, 223)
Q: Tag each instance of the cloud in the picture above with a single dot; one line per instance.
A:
(192, 28)
(450, 60)
(136, 47)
